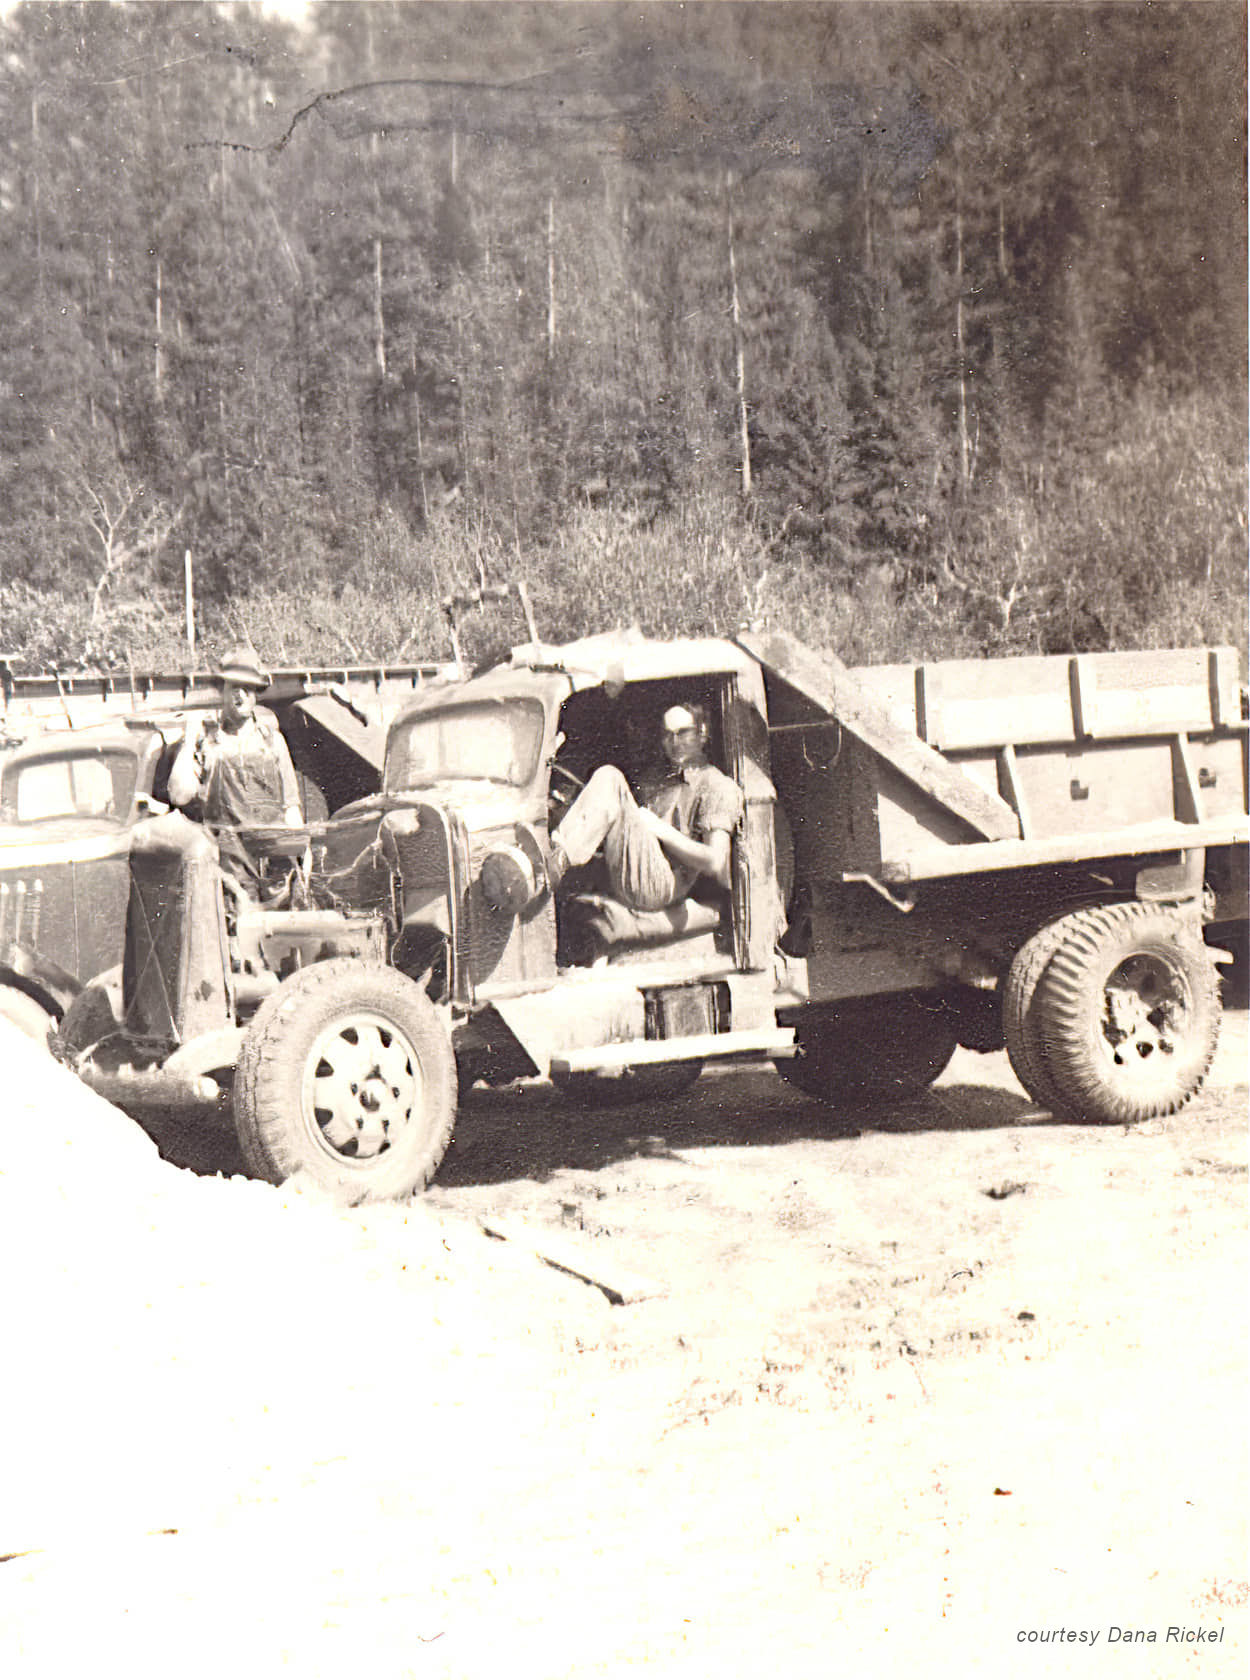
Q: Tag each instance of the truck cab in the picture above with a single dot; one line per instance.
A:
(571, 984)
(68, 804)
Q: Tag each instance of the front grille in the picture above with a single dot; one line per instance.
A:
(174, 976)
(21, 908)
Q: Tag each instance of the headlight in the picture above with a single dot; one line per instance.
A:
(509, 880)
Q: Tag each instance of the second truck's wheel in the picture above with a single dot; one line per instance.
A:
(25, 1012)
(1128, 1013)
(658, 1082)
(346, 1074)
(871, 1049)
(94, 1014)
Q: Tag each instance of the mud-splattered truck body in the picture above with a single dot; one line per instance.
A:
(1019, 851)
(1049, 835)
(86, 757)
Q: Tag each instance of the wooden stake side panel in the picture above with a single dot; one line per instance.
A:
(1027, 737)
(962, 704)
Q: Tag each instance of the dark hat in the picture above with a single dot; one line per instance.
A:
(242, 666)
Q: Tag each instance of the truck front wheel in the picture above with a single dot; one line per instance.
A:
(1127, 1013)
(346, 1074)
(871, 1049)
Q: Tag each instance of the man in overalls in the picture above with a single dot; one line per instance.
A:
(236, 768)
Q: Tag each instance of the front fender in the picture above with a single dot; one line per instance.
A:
(53, 986)
(211, 1052)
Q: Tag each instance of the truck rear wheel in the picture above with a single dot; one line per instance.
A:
(652, 1082)
(869, 1050)
(1127, 1012)
(1021, 1017)
(346, 1074)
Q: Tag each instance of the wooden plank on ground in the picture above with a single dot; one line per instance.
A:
(621, 1286)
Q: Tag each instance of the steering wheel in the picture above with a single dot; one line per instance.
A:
(574, 781)
(563, 796)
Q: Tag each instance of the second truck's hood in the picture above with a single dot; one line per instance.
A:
(60, 840)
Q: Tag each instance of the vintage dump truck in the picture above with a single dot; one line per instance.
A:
(85, 758)
(1019, 851)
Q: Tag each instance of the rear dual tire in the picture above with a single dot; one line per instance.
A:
(1112, 1013)
(653, 1083)
(871, 1050)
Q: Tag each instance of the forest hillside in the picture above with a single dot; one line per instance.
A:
(917, 329)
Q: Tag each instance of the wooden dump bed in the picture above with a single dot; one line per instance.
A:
(908, 772)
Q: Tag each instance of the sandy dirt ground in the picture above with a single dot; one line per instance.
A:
(898, 1391)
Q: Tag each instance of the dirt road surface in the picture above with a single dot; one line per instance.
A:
(892, 1393)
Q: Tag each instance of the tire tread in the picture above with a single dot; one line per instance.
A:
(261, 1122)
(1065, 1005)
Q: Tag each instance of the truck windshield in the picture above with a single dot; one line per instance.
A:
(69, 785)
(491, 741)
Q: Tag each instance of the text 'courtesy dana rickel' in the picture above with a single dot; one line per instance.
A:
(1114, 1635)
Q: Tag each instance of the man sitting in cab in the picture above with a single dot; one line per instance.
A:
(658, 848)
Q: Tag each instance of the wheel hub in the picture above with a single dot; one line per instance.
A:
(362, 1087)
(1146, 1009)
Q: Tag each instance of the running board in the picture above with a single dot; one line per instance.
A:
(647, 1052)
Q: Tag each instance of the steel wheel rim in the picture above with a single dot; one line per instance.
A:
(1147, 1008)
(362, 1087)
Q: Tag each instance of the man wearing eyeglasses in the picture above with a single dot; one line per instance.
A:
(655, 851)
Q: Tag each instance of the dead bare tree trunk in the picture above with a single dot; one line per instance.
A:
(965, 444)
(379, 319)
(551, 278)
(158, 363)
(416, 416)
(36, 209)
(127, 530)
(744, 439)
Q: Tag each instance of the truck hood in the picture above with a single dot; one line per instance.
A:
(61, 840)
(477, 804)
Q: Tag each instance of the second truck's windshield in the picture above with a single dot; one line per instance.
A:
(486, 741)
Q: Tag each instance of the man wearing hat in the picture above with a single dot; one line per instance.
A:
(237, 769)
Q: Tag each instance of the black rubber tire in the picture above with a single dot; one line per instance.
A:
(871, 1050)
(653, 1083)
(1128, 1013)
(88, 1019)
(334, 1023)
(26, 1013)
(1021, 1018)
